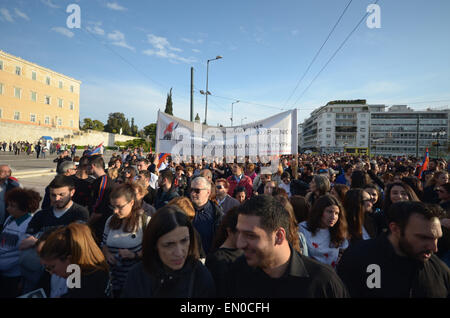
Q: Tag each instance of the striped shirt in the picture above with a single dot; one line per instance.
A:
(119, 239)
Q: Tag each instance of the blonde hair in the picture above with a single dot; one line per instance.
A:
(113, 173)
(184, 204)
(74, 240)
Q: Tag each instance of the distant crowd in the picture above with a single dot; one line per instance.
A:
(141, 226)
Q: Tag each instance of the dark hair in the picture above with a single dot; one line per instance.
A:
(272, 214)
(97, 161)
(229, 221)
(167, 174)
(354, 211)
(347, 167)
(414, 183)
(400, 212)
(145, 173)
(359, 179)
(292, 234)
(279, 191)
(145, 161)
(379, 203)
(132, 221)
(338, 233)
(239, 189)
(341, 190)
(165, 220)
(446, 187)
(132, 173)
(61, 181)
(387, 194)
(285, 175)
(301, 207)
(27, 200)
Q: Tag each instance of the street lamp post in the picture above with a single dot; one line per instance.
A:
(207, 93)
(232, 111)
(437, 134)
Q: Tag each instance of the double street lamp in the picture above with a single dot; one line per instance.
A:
(207, 92)
(437, 134)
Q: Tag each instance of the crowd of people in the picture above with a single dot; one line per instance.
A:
(319, 226)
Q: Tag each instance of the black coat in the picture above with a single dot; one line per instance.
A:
(400, 277)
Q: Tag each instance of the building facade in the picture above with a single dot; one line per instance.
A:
(339, 127)
(34, 95)
(403, 131)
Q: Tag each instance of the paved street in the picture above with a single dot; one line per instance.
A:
(23, 162)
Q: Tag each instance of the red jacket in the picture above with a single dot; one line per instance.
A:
(246, 182)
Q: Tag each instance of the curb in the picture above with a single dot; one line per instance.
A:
(33, 173)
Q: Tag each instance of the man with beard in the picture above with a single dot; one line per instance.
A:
(402, 263)
(270, 266)
(62, 211)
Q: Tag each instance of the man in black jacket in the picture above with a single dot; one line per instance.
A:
(401, 263)
(166, 191)
(271, 267)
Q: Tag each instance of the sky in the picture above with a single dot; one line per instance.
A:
(128, 54)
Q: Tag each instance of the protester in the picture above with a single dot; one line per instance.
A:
(122, 237)
(224, 250)
(170, 267)
(326, 230)
(339, 191)
(239, 194)
(74, 244)
(7, 183)
(141, 191)
(358, 206)
(22, 203)
(100, 210)
(400, 264)
(225, 201)
(240, 179)
(430, 194)
(270, 267)
(319, 186)
(208, 214)
(286, 182)
(166, 191)
(301, 208)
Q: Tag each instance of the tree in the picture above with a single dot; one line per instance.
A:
(87, 124)
(169, 108)
(150, 130)
(117, 121)
(98, 125)
(134, 128)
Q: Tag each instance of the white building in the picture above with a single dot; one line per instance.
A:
(338, 127)
(403, 131)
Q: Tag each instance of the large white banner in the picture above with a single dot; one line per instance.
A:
(273, 136)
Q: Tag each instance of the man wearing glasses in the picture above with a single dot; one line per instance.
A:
(226, 202)
(208, 214)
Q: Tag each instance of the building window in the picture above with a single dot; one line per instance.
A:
(1, 115)
(1, 65)
(33, 75)
(33, 96)
(363, 122)
(33, 118)
(328, 122)
(47, 80)
(47, 120)
(60, 84)
(17, 92)
(59, 122)
(1, 88)
(47, 100)
(18, 70)
(71, 123)
(60, 103)
(71, 105)
(362, 129)
(16, 115)
(71, 88)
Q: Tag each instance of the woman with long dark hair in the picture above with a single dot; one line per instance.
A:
(357, 204)
(326, 230)
(170, 266)
(122, 237)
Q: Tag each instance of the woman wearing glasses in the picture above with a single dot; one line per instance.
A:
(170, 266)
(74, 244)
(358, 204)
(122, 238)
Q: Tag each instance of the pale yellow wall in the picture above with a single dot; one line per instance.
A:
(9, 104)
